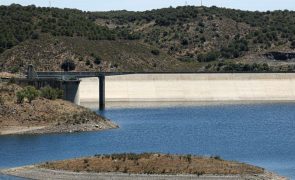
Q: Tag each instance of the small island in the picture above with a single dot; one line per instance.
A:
(26, 110)
(143, 166)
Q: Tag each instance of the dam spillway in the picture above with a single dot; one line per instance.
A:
(190, 87)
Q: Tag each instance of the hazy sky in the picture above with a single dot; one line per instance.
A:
(140, 5)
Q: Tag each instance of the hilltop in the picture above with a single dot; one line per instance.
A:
(171, 39)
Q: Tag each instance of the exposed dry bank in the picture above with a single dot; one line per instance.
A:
(143, 166)
(44, 116)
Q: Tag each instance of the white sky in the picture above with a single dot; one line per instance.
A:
(141, 5)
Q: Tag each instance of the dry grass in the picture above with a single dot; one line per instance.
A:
(155, 164)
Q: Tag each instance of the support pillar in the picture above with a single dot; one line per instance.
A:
(30, 72)
(102, 92)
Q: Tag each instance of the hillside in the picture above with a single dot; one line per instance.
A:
(48, 53)
(170, 39)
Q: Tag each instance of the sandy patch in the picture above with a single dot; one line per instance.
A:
(19, 130)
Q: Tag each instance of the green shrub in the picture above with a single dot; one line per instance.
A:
(20, 95)
(35, 35)
(51, 93)
(155, 52)
(201, 24)
(235, 49)
(216, 158)
(29, 92)
(189, 158)
(14, 69)
(86, 161)
(207, 57)
(12, 81)
(68, 65)
(203, 39)
(185, 42)
(1, 101)
(87, 62)
(97, 60)
(199, 173)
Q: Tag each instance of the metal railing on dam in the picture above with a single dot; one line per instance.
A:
(74, 75)
(61, 74)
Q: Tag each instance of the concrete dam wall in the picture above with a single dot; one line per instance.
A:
(191, 87)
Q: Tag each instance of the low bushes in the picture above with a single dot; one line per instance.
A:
(51, 93)
(216, 157)
(155, 52)
(207, 57)
(97, 60)
(68, 65)
(1, 100)
(31, 93)
(238, 67)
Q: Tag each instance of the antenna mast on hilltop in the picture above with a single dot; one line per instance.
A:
(201, 3)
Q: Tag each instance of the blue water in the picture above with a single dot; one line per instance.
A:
(259, 134)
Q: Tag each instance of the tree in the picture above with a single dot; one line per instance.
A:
(185, 42)
(87, 62)
(155, 52)
(29, 92)
(97, 60)
(68, 65)
(1, 100)
(35, 35)
(207, 57)
(20, 95)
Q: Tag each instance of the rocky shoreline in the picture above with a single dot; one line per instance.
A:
(154, 166)
(58, 129)
(34, 172)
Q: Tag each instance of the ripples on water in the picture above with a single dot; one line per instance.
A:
(259, 134)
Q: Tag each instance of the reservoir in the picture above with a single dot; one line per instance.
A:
(261, 134)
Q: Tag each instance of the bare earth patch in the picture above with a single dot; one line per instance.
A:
(18, 129)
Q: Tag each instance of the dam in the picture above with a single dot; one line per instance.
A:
(186, 87)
